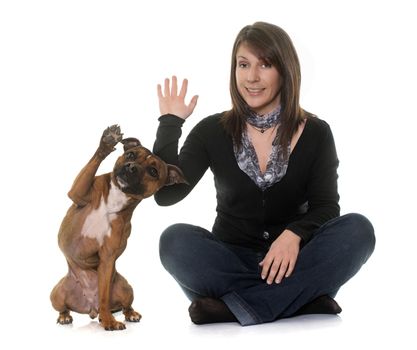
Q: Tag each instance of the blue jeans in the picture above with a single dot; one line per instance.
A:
(207, 267)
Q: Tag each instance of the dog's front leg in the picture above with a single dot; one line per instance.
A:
(106, 271)
(81, 189)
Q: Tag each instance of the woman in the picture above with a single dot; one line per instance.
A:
(278, 247)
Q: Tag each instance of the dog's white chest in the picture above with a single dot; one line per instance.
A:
(98, 223)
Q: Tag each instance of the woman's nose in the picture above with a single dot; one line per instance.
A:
(253, 75)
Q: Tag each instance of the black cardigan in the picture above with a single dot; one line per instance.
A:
(302, 201)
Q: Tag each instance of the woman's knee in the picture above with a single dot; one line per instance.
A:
(180, 242)
(361, 231)
(171, 235)
(172, 240)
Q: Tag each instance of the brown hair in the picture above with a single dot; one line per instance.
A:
(273, 45)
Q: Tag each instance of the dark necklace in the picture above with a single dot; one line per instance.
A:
(261, 130)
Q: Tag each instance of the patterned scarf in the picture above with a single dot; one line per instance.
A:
(266, 121)
(246, 155)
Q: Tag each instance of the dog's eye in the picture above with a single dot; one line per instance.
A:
(153, 172)
(130, 156)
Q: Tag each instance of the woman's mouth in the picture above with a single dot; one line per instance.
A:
(254, 91)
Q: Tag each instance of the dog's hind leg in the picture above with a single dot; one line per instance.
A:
(58, 296)
(75, 292)
(122, 297)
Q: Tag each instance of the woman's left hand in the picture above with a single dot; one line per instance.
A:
(280, 260)
(172, 102)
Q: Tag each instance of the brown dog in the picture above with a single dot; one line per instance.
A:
(95, 230)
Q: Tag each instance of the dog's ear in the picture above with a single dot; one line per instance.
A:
(175, 176)
(130, 142)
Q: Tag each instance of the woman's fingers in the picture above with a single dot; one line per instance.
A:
(174, 87)
(274, 270)
(193, 103)
(184, 87)
(166, 88)
(281, 272)
(159, 90)
(290, 268)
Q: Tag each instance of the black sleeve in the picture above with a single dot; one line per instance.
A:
(192, 159)
(322, 194)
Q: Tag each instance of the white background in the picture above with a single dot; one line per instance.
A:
(68, 69)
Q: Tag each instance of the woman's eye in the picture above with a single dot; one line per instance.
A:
(266, 65)
(153, 172)
(130, 156)
(242, 64)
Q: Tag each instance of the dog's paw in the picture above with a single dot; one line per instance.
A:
(113, 326)
(132, 316)
(64, 318)
(111, 136)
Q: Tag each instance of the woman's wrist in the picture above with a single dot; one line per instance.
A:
(171, 119)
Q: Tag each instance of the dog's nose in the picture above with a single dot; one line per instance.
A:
(131, 168)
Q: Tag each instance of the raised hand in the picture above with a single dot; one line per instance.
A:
(170, 102)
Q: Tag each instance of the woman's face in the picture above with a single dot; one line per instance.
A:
(258, 82)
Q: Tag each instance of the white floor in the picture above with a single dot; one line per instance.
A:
(363, 325)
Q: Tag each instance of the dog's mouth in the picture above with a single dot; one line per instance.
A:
(121, 182)
(128, 177)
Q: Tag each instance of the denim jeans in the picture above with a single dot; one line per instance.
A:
(206, 267)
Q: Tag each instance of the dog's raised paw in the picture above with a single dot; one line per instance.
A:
(112, 135)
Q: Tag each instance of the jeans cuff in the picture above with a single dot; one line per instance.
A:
(240, 309)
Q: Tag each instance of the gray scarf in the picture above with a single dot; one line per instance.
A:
(246, 155)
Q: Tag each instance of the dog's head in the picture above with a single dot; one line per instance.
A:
(140, 173)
